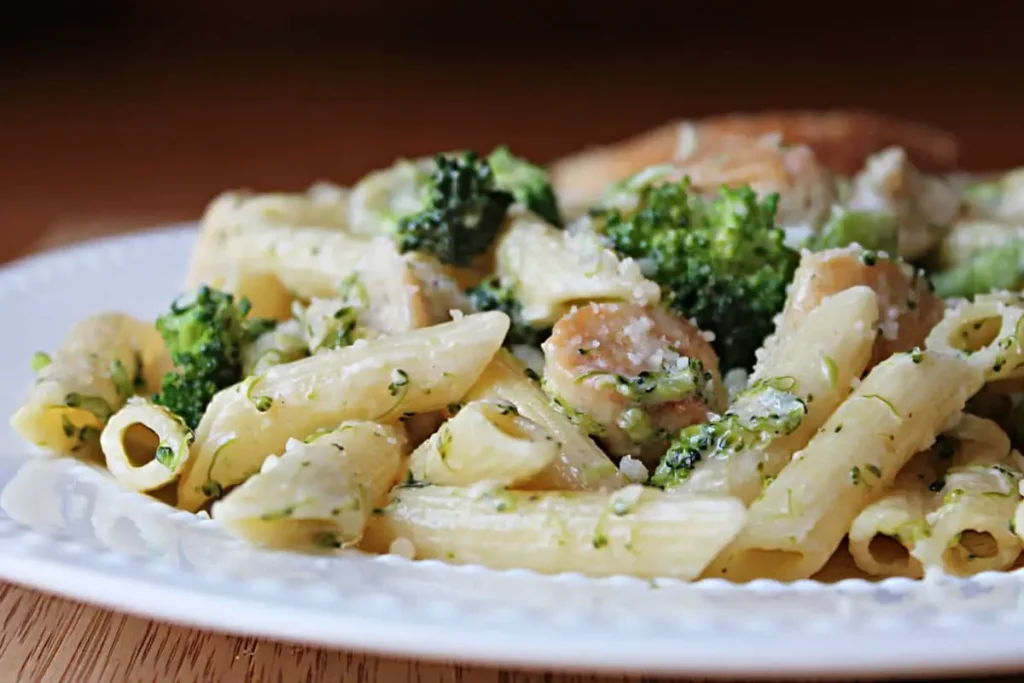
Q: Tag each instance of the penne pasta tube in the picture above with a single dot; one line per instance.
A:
(803, 515)
(91, 375)
(883, 536)
(162, 462)
(484, 441)
(635, 530)
(970, 527)
(319, 493)
(383, 196)
(557, 269)
(322, 206)
(813, 365)
(988, 331)
(580, 464)
(307, 261)
(422, 371)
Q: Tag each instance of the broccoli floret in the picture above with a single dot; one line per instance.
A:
(493, 295)
(463, 212)
(766, 410)
(872, 230)
(528, 183)
(721, 262)
(205, 337)
(990, 270)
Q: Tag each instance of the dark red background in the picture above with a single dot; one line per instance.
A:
(149, 108)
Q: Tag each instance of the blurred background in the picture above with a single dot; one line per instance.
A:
(119, 114)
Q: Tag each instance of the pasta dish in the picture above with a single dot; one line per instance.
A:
(729, 347)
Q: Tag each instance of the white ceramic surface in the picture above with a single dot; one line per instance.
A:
(69, 529)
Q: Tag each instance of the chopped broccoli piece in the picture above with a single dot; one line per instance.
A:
(721, 262)
(463, 213)
(528, 183)
(206, 337)
(988, 271)
(676, 380)
(762, 412)
(39, 361)
(493, 295)
(871, 230)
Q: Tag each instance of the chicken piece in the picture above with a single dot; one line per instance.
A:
(631, 376)
(710, 159)
(840, 140)
(926, 207)
(908, 309)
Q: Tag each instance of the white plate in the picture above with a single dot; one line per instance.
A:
(69, 529)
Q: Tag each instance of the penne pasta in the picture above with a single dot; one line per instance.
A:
(557, 269)
(307, 261)
(580, 464)
(635, 530)
(803, 515)
(970, 526)
(950, 508)
(814, 366)
(91, 375)
(322, 206)
(988, 332)
(381, 197)
(883, 536)
(162, 462)
(422, 371)
(319, 493)
(484, 441)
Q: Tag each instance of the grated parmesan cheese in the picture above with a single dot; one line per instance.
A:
(634, 470)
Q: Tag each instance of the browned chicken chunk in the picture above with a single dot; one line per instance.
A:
(631, 376)
(907, 306)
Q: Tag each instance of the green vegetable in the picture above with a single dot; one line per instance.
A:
(206, 337)
(721, 262)
(94, 404)
(762, 412)
(494, 295)
(530, 185)
(119, 376)
(399, 382)
(343, 326)
(675, 381)
(988, 271)
(463, 212)
(871, 230)
(39, 361)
